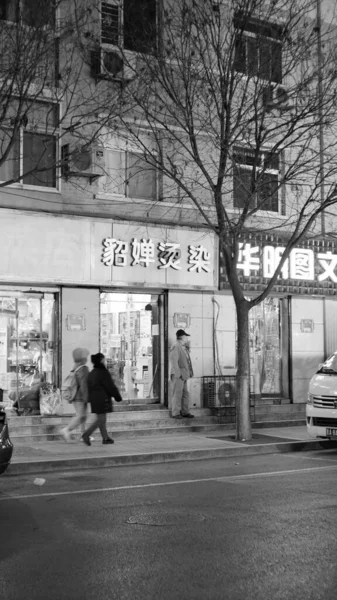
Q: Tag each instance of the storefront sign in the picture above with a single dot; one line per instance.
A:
(300, 264)
(307, 325)
(75, 322)
(144, 252)
(311, 267)
(103, 252)
(181, 320)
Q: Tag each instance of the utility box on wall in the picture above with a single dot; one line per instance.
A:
(181, 320)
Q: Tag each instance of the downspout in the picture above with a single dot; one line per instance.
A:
(320, 109)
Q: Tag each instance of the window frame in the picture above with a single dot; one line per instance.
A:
(125, 185)
(262, 32)
(19, 12)
(120, 37)
(49, 29)
(266, 172)
(52, 131)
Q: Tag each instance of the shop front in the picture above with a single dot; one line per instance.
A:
(294, 329)
(119, 288)
(129, 328)
(28, 344)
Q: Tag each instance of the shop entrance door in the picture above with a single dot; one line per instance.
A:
(268, 325)
(130, 340)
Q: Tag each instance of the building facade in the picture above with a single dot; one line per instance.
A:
(294, 328)
(115, 287)
(101, 249)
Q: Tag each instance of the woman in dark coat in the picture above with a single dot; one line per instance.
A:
(101, 388)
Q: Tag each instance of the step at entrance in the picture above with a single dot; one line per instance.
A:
(129, 421)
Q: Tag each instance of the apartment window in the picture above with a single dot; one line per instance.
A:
(128, 174)
(258, 48)
(32, 146)
(34, 13)
(256, 180)
(130, 24)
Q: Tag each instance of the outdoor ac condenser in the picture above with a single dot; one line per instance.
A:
(82, 161)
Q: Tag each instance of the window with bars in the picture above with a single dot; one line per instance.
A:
(128, 174)
(31, 149)
(258, 48)
(256, 180)
(131, 24)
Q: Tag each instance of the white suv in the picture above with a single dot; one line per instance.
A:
(321, 409)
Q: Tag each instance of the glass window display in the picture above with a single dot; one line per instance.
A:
(129, 334)
(265, 347)
(28, 357)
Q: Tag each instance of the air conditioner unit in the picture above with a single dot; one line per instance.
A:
(111, 63)
(219, 391)
(82, 161)
(275, 97)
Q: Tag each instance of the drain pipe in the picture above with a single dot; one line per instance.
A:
(320, 109)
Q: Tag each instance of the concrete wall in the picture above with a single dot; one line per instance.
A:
(78, 197)
(79, 301)
(199, 306)
(307, 348)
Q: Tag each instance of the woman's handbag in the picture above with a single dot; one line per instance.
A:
(108, 405)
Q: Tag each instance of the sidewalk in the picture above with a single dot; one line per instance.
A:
(43, 457)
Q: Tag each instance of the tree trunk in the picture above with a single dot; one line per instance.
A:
(243, 424)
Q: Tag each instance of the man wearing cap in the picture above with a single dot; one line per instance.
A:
(181, 371)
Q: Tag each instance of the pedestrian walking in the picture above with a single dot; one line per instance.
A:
(80, 373)
(181, 371)
(101, 390)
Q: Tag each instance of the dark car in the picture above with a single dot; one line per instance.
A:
(6, 446)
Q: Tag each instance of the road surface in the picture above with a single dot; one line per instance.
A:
(255, 528)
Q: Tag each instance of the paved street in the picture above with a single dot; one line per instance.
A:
(254, 528)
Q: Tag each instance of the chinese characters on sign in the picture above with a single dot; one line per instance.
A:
(143, 252)
(114, 253)
(169, 255)
(300, 265)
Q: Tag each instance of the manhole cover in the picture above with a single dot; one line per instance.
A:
(165, 519)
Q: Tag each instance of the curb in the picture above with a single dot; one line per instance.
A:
(72, 464)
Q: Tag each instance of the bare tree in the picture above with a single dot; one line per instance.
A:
(48, 97)
(233, 103)
(239, 101)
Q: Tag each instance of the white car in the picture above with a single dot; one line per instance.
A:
(321, 409)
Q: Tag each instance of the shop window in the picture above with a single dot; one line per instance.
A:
(128, 174)
(256, 180)
(265, 327)
(258, 48)
(128, 322)
(130, 24)
(28, 348)
(32, 149)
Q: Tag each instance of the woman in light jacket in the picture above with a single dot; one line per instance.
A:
(80, 402)
(101, 389)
